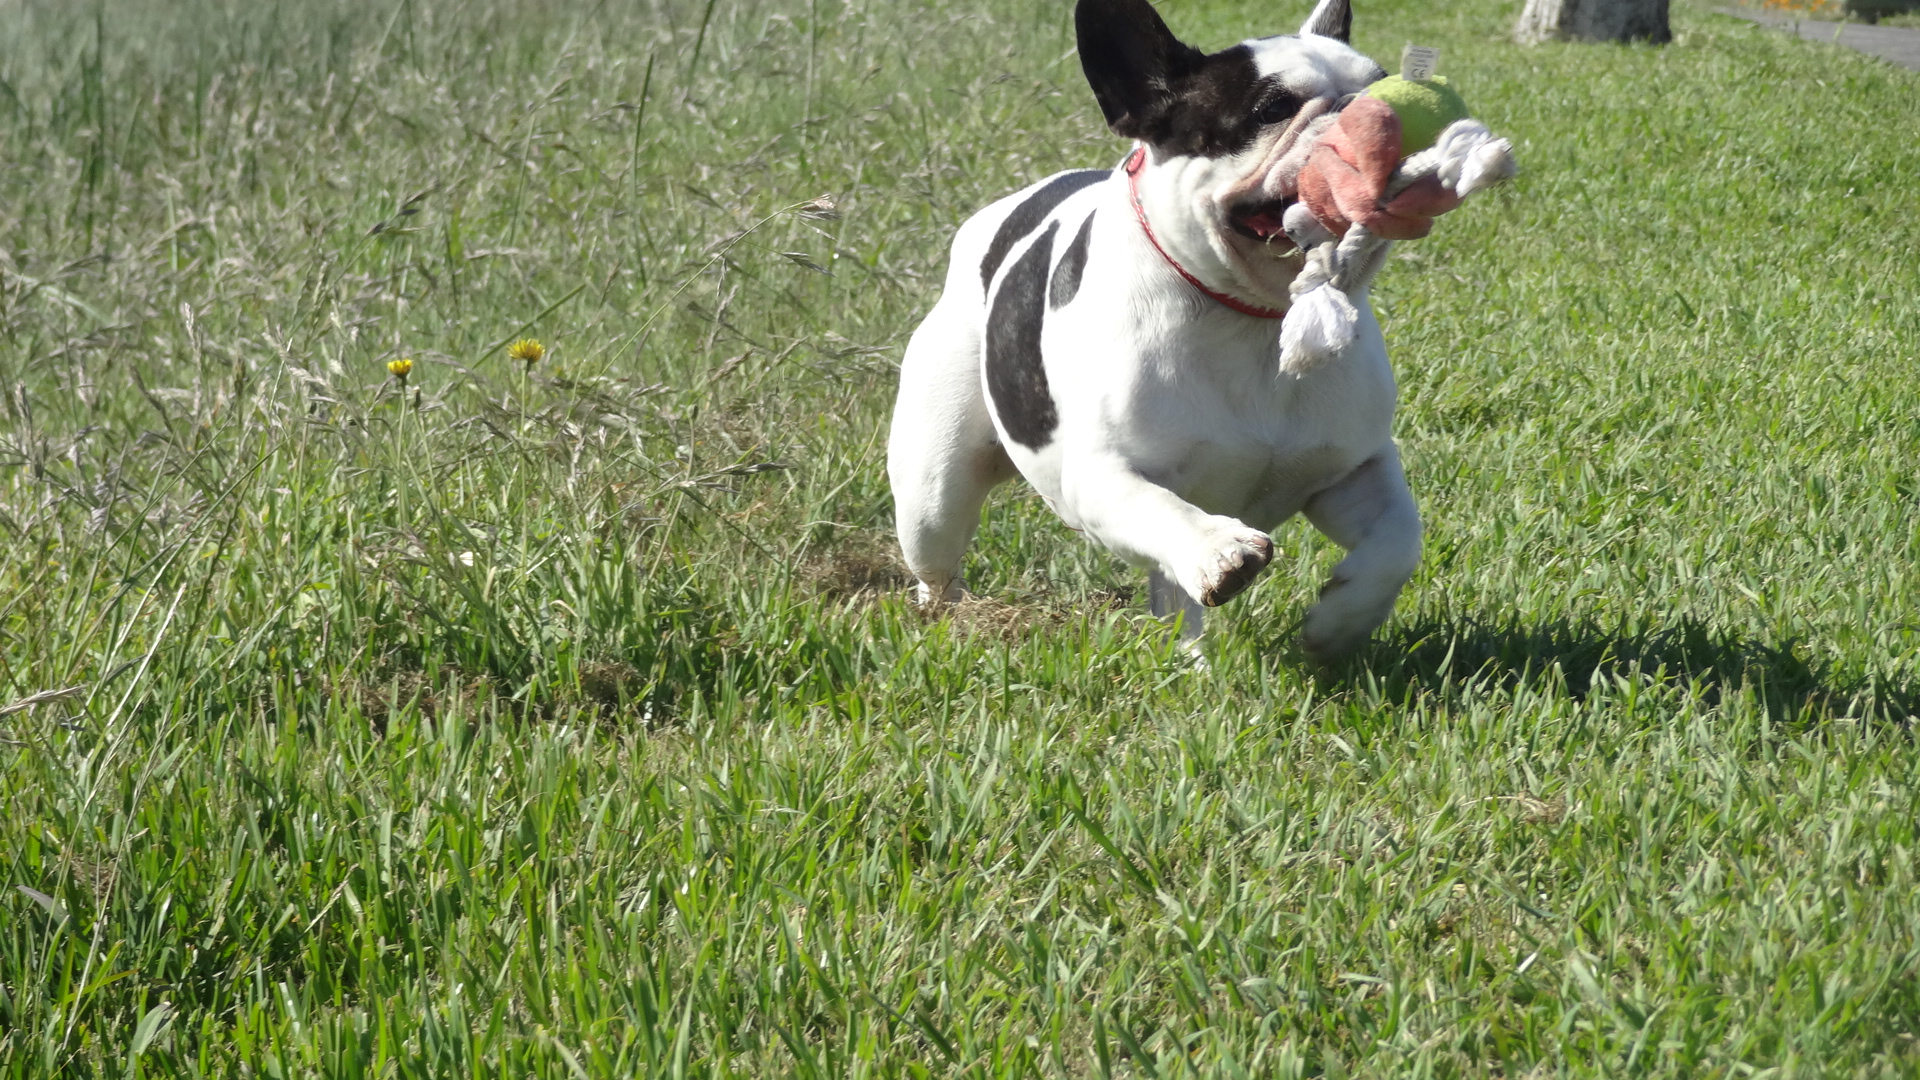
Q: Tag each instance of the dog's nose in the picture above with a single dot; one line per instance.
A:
(1345, 101)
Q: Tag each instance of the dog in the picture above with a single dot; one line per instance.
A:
(1112, 337)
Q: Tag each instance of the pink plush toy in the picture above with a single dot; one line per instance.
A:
(1346, 179)
(1357, 193)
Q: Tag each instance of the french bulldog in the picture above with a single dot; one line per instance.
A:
(1114, 336)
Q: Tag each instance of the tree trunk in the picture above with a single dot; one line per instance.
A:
(1869, 11)
(1593, 20)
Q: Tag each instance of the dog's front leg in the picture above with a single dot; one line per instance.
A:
(1211, 558)
(1369, 512)
(1168, 601)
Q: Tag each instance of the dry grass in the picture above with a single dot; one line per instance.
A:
(571, 720)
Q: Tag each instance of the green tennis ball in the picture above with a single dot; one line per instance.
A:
(1425, 108)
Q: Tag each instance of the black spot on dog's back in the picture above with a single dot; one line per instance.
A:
(1016, 380)
(1066, 276)
(1029, 214)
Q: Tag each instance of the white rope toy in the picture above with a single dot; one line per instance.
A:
(1322, 320)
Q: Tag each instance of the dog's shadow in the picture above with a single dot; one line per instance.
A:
(1443, 655)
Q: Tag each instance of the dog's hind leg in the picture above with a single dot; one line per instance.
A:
(943, 455)
(1369, 512)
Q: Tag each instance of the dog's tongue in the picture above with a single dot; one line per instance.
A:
(1267, 224)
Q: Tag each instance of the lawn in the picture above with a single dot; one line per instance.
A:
(568, 718)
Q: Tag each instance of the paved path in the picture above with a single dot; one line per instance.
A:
(1896, 43)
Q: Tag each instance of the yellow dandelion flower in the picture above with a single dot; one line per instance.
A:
(400, 368)
(527, 351)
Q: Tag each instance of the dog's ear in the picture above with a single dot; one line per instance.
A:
(1131, 59)
(1331, 18)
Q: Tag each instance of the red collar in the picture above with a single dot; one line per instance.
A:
(1136, 162)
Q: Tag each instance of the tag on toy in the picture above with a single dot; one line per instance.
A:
(1423, 101)
(1419, 62)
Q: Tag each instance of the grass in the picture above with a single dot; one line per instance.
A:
(570, 721)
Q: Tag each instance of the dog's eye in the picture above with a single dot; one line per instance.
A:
(1276, 108)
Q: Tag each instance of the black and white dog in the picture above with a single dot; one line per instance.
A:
(1113, 337)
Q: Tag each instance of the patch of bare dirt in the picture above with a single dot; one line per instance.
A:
(861, 565)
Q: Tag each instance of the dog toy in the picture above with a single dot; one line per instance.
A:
(1425, 108)
(1363, 188)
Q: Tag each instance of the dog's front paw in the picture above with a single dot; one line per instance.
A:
(936, 598)
(1234, 556)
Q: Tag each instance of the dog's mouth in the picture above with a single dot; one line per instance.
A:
(1261, 221)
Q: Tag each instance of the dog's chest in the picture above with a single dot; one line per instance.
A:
(1200, 407)
(1132, 362)
(1246, 441)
